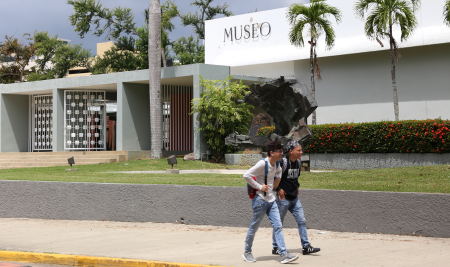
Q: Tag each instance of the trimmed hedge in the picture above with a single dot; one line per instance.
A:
(414, 136)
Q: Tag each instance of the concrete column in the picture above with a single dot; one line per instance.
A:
(133, 117)
(14, 110)
(209, 72)
(58, 120)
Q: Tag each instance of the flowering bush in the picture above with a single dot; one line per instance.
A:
(265, 130)
(415, 136)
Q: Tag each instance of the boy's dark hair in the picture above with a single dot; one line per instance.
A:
(272, 146)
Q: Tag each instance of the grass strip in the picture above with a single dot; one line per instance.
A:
(426, 179)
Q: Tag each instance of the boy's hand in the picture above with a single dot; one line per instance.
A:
(281, 194)
(265, 188)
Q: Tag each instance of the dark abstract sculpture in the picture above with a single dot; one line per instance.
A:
(288, 103)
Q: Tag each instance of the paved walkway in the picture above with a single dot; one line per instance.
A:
(218, 171)
(215, 245)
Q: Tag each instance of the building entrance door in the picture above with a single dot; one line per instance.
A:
(84, 123)
(42, 123)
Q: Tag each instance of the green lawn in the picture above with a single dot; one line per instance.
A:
(430, 179)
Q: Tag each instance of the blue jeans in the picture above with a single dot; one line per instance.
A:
(261, 207)
(295, 207)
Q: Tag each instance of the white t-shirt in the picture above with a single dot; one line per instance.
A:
(258, 171)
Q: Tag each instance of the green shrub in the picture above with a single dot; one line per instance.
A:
(413, 136)
(265, 130)
(221, 112)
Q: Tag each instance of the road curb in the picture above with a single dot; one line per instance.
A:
(80, 260)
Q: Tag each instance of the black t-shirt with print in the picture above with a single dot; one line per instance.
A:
(289, 178)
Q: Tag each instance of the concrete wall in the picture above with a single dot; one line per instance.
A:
(376, 160)
(269, 70)
(58, 120)
(14, 123)
(350, 211)
(358, 88)
(133, 117)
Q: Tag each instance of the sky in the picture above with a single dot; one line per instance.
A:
(27, 16)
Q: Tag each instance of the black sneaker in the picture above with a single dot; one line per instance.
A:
(309, 249)
(275, 251)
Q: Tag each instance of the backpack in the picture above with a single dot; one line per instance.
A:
(252, 191)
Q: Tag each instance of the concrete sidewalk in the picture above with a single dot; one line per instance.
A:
(217, 171)
(212, 245)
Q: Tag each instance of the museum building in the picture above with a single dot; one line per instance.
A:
(356, 81)
(75, 114)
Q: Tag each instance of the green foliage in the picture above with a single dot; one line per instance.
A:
(447, 13)
(207, 12)
(130, 53)
(123, 56)
(221, 112)
(312, 17)
(88, 13)
(187, 51)
(14, 57)
(381, 15)
(55, 57)
(415, 136)
(265, 130)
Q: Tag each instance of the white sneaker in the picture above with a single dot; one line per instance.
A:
(286, 258)
(248, 257)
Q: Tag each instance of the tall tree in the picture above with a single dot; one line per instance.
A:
(120, 20)
(55, 57)
(154, 61)
(207, 12)
(380, 17)
(187, 51)
(14, 57)
(447, 13)
(312, 21)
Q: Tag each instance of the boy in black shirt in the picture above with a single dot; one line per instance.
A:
(287, 198)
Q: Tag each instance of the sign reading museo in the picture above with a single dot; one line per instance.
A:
(248, 31)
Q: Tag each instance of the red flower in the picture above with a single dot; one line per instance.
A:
(355, 146)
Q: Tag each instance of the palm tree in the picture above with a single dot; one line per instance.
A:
(154, 66)
(381, 16)
(313, 18)
(447, 13)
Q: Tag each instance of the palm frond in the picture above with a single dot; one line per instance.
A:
(330, 36)
(447, 13)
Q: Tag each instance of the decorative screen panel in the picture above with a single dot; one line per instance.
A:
(177, 122)
(84, 123)
(42, 123)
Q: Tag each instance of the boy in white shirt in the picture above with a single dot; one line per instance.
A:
(264, 201)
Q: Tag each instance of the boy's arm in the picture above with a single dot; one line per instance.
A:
(254, 171)
(276, 183)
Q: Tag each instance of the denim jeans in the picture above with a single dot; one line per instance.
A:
(261, 207)
(295, 207)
